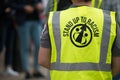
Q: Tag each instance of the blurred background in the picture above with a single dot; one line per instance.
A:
(21, 24)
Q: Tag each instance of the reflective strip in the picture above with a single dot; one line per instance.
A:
(80, 66)
(105, 37)
(99, 4)
(101, 66)
(56, 27)
(96, 3)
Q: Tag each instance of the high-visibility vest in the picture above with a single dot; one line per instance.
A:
(96, 3)
(81, 43)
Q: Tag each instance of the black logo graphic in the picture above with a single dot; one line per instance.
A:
(81, 35)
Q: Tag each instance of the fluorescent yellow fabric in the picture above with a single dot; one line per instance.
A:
(94, 20)
(79, 53)
(96, 3)
(81, 75)
(53, 51)
(113, 33)
(55, 5)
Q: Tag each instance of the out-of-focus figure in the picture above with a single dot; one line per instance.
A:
(28, 26)
(7, 32)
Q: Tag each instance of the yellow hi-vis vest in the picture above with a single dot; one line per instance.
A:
(96, 3)
(81, 43)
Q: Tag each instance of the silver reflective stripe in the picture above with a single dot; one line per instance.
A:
(105, 37)
(80, 66)
(48, 76)
(101, 66)
(56, 27)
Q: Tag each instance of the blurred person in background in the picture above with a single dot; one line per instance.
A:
(112, 5)
(7, 32)
(43, 16)
(28, 26)
(45, 3)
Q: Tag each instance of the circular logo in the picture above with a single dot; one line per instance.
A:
(81, 35)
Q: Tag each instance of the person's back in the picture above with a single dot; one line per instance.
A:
(81, 34)
(83, 42)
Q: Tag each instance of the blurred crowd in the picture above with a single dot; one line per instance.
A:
(21, 23)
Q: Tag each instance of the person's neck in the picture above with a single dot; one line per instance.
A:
(82, 3)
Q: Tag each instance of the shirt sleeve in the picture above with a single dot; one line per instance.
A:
(118, 11)
(45, 39)
(116, 45)
(116, 7)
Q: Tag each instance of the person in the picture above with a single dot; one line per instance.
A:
(7, 36)
(28, 26)
(55, 5)
(103, 4)
(108, 5)
(112, 6)
(81, 46)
